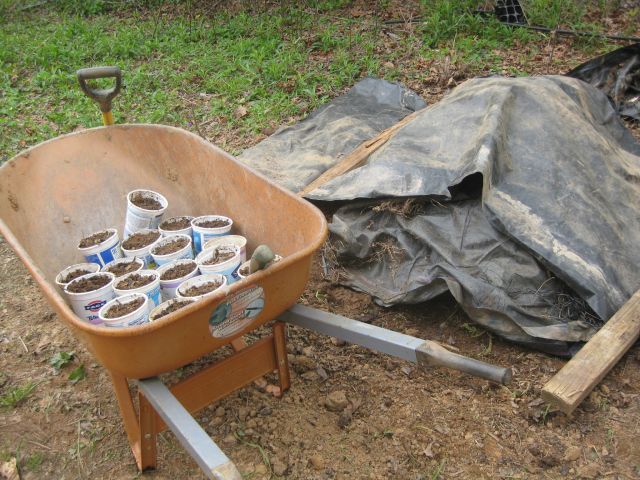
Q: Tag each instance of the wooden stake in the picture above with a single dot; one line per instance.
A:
(590, 365)
(358, 156)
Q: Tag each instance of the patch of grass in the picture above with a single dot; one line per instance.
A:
(16, 395)
(33, 462)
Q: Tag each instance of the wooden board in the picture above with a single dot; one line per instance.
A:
(358, 156)
(590, 365)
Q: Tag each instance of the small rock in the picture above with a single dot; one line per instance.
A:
(388, 65)
(336, 401)
(219, 412)
(590, 470)
(572, 453)
(406, 370)
(273, 390)
(316, 462)
(260, 384)
(338, 342)
(230, 440)
(252, 423)
(303, 363)
(216, 422)
(243, 413)
(9, 470)
(261, 469)
(279, 468)
(322, 373)
(308, 351)
(345, 418)
(266, 411)
(66, 219)
(311, 376)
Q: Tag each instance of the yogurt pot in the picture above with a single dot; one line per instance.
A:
(103, 252)
(156, 313)
(168, 287)
(167, 232)
(227, 267)
(131, 262)
(185, 252)
(199, 281)
(243, 271)
(138, 317)
(139, 218)
(87, 305)
(152, 289)
(237, 240)
(202, 234)
(144, 252)
(72, 270)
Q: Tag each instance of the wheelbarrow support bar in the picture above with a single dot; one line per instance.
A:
(213, 462)
(406, 347)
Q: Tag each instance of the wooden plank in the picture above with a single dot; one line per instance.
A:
(590, 365)
(358, 156)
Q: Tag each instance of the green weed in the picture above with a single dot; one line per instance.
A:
(16, 395)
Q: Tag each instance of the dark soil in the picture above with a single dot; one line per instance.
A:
(218, 256)
(134, 281)
(213, 223)
(178, 271)
(177, 305)
(121, 309)
(75, 274)
(201, 289)
(120, 269)
(145, 201)
(95, 239)
(177, 223)
(170, 247)
(89, 284)
(140, 240)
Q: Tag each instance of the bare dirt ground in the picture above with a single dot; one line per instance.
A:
(400, 422)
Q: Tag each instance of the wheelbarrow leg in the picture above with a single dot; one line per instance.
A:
(128, 413)
(213, 462)
(280, 339)
(406, 347)
(148, 434)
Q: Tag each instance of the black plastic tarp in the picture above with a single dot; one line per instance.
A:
(518, 195)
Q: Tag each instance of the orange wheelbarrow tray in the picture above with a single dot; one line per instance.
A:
(61, 190)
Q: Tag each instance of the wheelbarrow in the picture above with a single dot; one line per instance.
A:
(53, 194)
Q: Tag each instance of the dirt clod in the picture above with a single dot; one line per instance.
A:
(170, 247)
(572, 453)
(316, 462)
(134, 281)
(176, 223)
(118, 309)
(145, 201)
(198, 290)
(336, 401)
(178, 271)
(84, 285)
(140, 240)
(216, 223)
(95, 239)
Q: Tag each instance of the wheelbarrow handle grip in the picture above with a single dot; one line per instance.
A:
(102, 96)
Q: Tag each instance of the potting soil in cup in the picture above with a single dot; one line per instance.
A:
(101, 247)
(237, 240)
(173, 274)
(207, 227)
(201, 286)
(168, 307)
(139, 245)
(126, 311)
(143, 281)
(224, 259)
(176, 226)
(74, 271)
(168, 249)
(89, 293)
(145, 209)
(122, 266)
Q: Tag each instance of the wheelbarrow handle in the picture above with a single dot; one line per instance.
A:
(102, 96)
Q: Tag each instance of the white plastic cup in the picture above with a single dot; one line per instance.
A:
(138, 317)
(182, 231)
(86, 305)
(145, 252)
(202, 234)
(200, 280)
(227, 268)
(140, 218)
(168, 287)
(185, 252)
(152, 290)
(105, 251)
(87, 267)
(239, 274)
(153, 316)
(138, 261)
(237, 240)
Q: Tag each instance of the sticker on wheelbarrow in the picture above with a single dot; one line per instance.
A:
(236, 312)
